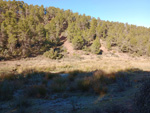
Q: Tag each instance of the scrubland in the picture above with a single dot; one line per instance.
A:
(57, 61)
(108, 63)
(78, 83)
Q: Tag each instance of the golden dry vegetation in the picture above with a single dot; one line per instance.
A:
(84, 62)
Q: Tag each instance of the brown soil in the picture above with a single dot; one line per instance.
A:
(103, 46)
(69, 47)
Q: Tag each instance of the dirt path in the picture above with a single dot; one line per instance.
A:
(69, 47)
(103, 46)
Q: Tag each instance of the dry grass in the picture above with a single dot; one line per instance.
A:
(46, 83)
(82, 62)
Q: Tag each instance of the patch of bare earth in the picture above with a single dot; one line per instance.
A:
(69, 47)
(103, 46)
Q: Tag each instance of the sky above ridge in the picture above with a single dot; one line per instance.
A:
(135, 12)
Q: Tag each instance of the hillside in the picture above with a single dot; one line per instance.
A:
(27, 30)
(57, 61)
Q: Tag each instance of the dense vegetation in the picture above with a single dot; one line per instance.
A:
(27, 30)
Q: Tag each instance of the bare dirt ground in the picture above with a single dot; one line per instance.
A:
(69, 47)
(103, 46)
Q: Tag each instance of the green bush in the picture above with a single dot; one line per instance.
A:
(87, 49)
(78, 42)
(108, 45)
(95, 47)
(53, 54)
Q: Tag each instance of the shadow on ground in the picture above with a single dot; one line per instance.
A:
(76, 91)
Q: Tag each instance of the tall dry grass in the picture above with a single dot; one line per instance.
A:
(90, 63)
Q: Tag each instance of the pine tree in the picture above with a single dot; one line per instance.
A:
(78, 41)
(51, 33)
(4, 36)
(70, 31)
(99, 31)
(95, 47)
(92, 32)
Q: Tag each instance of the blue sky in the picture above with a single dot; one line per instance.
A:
(135, 12)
